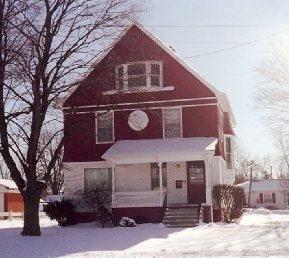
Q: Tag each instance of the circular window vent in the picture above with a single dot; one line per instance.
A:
(138, 120)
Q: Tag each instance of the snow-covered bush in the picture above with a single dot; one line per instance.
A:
(127, 222)
(230, 201)
(61, 211)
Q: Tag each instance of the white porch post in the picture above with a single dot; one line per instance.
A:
(161, 182)
(209, 199)
(113, 177)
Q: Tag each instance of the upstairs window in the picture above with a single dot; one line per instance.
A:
(104, 127)
(172, 123)
(229, 153)
(140, 74)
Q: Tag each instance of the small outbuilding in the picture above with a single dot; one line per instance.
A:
(268, 193)
(10, 197)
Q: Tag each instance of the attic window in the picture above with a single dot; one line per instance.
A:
(138, 75)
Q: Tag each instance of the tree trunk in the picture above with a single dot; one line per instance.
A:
(31, 212)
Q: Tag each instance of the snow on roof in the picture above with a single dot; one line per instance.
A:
(7, 183)
(159, 149)
(266, 185)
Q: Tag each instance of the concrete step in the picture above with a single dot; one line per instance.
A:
(181, 216)
(179, 222)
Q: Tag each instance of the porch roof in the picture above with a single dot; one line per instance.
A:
(159, 150)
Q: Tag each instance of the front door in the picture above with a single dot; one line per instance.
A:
(196, 182)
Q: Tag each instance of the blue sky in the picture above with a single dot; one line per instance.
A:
(232, 71)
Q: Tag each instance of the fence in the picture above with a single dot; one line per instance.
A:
(10, 214)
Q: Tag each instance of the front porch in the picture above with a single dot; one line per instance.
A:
(166, 171)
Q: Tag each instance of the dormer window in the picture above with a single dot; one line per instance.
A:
(138, 75)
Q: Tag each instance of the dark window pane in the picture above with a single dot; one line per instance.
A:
(228, 145)
(136, 69)
(155, 69)
(155, 178)
(229, 160)
(120, 83)
(172, 130)
(104, 135)
(105, 127)
(97, 177)
(137, 81)
(155, 80)
(120, 71)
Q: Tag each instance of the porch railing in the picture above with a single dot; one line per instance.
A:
(137, 199)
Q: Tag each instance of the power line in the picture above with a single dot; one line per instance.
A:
(234, 47)
(216, 43)
(215, 26)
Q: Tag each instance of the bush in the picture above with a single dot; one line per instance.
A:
(61, 211)
(104, 216)
(95, 198)
(230, 201)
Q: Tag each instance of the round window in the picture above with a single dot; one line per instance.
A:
(138, 120)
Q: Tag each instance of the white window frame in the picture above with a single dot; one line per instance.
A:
(232, 150)
(147, 74)
(181, 119)
(96, 128)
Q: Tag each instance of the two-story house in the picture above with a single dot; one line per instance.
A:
(148, 123)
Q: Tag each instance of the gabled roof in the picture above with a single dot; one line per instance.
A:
(222, 98)
(155, 150)
(266, 185)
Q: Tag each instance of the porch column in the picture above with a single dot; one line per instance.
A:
(209, 199)
(161, 182)
(113, 177)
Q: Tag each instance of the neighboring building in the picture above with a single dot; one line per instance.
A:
(268, 193)
(10, 197)
(146, 122)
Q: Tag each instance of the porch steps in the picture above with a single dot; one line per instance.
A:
(181, 216)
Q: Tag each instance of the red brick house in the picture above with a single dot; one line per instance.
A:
(145, 121)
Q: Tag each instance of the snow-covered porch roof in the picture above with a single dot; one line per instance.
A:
(160, 150)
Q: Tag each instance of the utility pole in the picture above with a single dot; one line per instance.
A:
(250, 183)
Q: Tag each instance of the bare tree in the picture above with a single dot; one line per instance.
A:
(282, 145)
(55, 179)
(273, 92)
(44, 48)
(4, 171)
(262, 167)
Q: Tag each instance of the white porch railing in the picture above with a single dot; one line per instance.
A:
(137, 199)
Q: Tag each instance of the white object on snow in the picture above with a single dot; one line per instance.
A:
(127, 222)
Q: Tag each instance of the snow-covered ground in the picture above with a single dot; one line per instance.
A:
(259, 233)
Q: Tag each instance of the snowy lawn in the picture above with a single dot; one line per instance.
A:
(259, 233)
